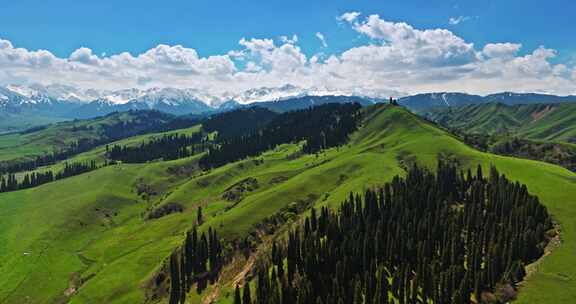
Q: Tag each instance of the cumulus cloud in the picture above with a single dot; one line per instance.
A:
(322, 39)
(20, 57)
(398, 57)
(5, 44)
(501, 50)
(84, 55)
(409, 46)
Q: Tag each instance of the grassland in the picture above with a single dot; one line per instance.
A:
(10, 122)
(550, 122)
(92, 227)
(46, 139)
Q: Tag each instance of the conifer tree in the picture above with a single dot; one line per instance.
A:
(237, 297)
(246, 298)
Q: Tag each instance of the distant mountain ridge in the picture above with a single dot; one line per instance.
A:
(61, 102)
(426, 101)
(301, 103)
(69, 102)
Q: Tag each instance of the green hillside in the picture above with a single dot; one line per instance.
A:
(69, 138)
(10, 122)
(551, 122)
(47, 138)
(86, 239)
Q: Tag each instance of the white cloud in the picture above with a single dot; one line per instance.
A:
(349, 16)
(322, 39)
(84, 55)
(501, 50)
(398, 57)
(5, 44)
(458, 20)
(19, 57)
(286, 39)
(407, 45)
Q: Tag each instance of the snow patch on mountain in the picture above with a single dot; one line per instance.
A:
(288, 91)
(152, 97)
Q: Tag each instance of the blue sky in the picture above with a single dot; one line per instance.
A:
(213, 28)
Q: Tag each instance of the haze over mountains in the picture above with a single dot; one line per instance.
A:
(68, 101)
(37, 102)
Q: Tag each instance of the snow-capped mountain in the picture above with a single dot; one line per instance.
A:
(80, 103)
(8, 97)
(120, 96)
(22, 99)
(269, 94)
(266, 94)
(170, 100)
(175, 96)
(55, 92)
(70, 102)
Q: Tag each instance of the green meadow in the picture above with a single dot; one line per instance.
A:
(86, 239)
(550, 122)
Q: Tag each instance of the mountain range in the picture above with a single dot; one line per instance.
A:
(427, 101)
(19, 104)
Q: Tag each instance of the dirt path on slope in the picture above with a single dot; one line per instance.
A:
(237, 280)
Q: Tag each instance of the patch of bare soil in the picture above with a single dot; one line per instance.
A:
(555, 242)
(539, 115)
(235, 269)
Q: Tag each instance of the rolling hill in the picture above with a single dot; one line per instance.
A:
(86, 239)
(72, 137)
(11, 122)
(550, 122)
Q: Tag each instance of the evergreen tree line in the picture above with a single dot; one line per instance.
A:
(112, 127)
(30, 180)
(47, 159)
(76, 168)
(321, 127)
(426, 238)
(238, 122)
(167, 147)
(198, 261)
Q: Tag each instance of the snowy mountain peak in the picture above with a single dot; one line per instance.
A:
(286, 92)
(77, 102)
(23, 90)
(38, 93)
(174, 96)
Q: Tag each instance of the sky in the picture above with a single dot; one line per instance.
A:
(370, 47)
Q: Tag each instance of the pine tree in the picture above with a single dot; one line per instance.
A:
(246, 299)
(199, 218)
(237, 298)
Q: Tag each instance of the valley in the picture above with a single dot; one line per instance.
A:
(88, 238)
(536, 131)
(287, 152)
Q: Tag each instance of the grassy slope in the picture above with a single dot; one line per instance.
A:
(555, 122)
(125, 251)
(98, 153)
(58, 135)
(15, 122)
